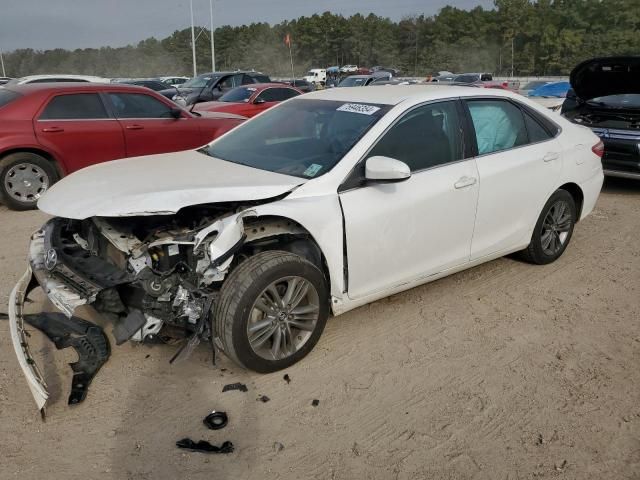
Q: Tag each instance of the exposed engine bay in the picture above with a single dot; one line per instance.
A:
(155, 276)
(606, 119)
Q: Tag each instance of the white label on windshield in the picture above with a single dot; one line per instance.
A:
(358, 108)
(312, 170)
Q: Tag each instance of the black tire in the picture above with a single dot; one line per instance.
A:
(536, 251)
(243, 287)
(42, 168)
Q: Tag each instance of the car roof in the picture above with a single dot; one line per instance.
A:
(90, 78)
(73, 86)
(361, 76)
(248, 72)
(262, 86)
(395, 94)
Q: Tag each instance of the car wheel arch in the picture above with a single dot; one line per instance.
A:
(37, 151)
(578, 196)
(273, 232)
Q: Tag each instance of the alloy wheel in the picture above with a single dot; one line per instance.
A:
(556, 227)
(283, 318)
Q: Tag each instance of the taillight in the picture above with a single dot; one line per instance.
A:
(598, 149)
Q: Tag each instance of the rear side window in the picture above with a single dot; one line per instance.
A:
(536, 132)
(77, 106)
(498, 124)
(138, 105)
(7, 96)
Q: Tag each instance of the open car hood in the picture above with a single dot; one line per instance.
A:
(160, 185)
(600, 77)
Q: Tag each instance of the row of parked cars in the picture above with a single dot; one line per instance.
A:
(51, 126)
(55, 125)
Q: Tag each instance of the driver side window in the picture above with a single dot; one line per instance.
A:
(425, 137)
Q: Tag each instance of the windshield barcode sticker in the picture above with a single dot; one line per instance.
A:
(358, 108)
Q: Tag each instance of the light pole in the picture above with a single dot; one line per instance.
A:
(213, 49)
(4, 74)
(193, 41)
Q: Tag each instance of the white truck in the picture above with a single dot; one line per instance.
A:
(316, 75)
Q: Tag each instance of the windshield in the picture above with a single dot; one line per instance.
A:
(304, 138)
(240, 94)
(199, 82)
(627, 100)
(352, 82)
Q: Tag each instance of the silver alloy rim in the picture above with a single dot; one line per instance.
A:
(556, 227)
(26, 182)
(283, 318)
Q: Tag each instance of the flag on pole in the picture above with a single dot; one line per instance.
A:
(287, 40)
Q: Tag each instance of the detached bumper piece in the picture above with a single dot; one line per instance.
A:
(86, 338)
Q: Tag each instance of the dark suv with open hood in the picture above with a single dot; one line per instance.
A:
(605, 97)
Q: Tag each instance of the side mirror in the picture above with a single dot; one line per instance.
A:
(259, 101)
(385, 169)
(176, 113)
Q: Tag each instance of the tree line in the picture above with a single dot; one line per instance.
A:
(543, 37)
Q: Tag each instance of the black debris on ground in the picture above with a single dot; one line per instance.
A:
(278, 447)
(204, 446)
(263, 398)
(234, 386)
(216, 420)
(315, 402)
(287, 378)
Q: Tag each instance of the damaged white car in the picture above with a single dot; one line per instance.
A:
(322, 204)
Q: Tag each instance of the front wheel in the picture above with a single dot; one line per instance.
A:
(24, 177)
(553, 230)
(272, 310)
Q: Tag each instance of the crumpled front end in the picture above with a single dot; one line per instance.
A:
(154, 278)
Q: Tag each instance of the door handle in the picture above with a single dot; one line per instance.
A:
(53, 129)
(134, 127)
(551, 156)
(465, 182)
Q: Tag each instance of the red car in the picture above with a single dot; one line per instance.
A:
(250, 100)
(50, 130)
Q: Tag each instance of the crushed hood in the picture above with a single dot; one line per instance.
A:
(159, 184)
(600, 77)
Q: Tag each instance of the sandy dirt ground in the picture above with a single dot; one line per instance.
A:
(505, 371)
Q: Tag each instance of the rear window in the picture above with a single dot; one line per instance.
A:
(76, 106)
(7, 96)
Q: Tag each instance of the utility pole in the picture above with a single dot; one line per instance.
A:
(193, 41)
(213, 49)
(4, 74)
(512, 56)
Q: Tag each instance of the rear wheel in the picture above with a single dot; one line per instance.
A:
(24, 177)
(272, 310)
(553, 230)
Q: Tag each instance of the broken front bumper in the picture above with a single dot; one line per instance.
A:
(60, 285)
(35, 380)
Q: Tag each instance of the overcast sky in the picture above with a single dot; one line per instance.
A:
(45, 24)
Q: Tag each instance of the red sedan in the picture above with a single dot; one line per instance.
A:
(50, 130)
(250, 100)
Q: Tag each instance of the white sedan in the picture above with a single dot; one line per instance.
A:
(324, 203)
